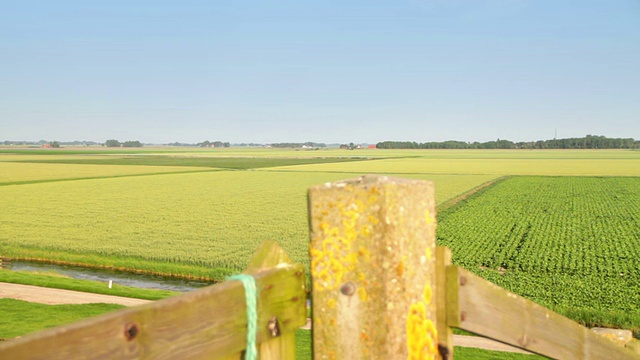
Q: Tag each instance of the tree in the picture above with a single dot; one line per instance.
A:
(112, 143)
(132, 144)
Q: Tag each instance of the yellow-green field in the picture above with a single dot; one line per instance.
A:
(487, 166)
(28, 157)
(210, 220)
(12, 172)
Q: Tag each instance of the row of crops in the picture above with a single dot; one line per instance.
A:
(562, 241)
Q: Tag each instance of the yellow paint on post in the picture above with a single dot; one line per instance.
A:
(422, 335)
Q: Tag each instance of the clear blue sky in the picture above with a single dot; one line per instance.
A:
(324, 71)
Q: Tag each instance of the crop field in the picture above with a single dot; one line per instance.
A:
(570, 243)
(202, 161)
(212, 221)
(488, 166)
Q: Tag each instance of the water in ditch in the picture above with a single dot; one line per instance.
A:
(144, 281)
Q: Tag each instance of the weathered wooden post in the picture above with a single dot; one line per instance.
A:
(372, 267)
(281, 345)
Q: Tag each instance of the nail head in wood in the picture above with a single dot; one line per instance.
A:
(131, 330)
(348, 288)
(273, 327)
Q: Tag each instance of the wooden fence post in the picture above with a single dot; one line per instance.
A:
(445, 333)
(283, 344)
(372, 267)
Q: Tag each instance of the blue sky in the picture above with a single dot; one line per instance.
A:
(324, 71)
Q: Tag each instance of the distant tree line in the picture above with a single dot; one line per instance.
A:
(181, 144)
(299, 145)
(250, 144)
(116, 143)
(43, 142)
(213, 144)
(587, 142)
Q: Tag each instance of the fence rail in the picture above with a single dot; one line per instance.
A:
(204, 324)
(481, 307)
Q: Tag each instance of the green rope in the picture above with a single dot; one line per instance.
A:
(251, 298)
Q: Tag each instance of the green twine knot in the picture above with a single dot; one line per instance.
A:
(251, 298)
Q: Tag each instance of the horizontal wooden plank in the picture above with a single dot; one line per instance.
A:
(205, 324)
(488, 310)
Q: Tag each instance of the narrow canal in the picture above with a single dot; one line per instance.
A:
(145, 281)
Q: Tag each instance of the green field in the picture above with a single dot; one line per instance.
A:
(568, 240)
(568, 243)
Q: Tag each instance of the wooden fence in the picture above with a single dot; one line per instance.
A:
(203, 324)
(381, 290)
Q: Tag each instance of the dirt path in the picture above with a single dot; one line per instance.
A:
(468, 341)
(58, 296)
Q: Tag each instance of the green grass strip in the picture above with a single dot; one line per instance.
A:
(20, 317)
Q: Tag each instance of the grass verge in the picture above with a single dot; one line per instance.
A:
(20, 317)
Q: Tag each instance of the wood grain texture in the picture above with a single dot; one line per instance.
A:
(445, 333)
(488, 310)
(282, 345)
(208, 323)
(372, 262)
